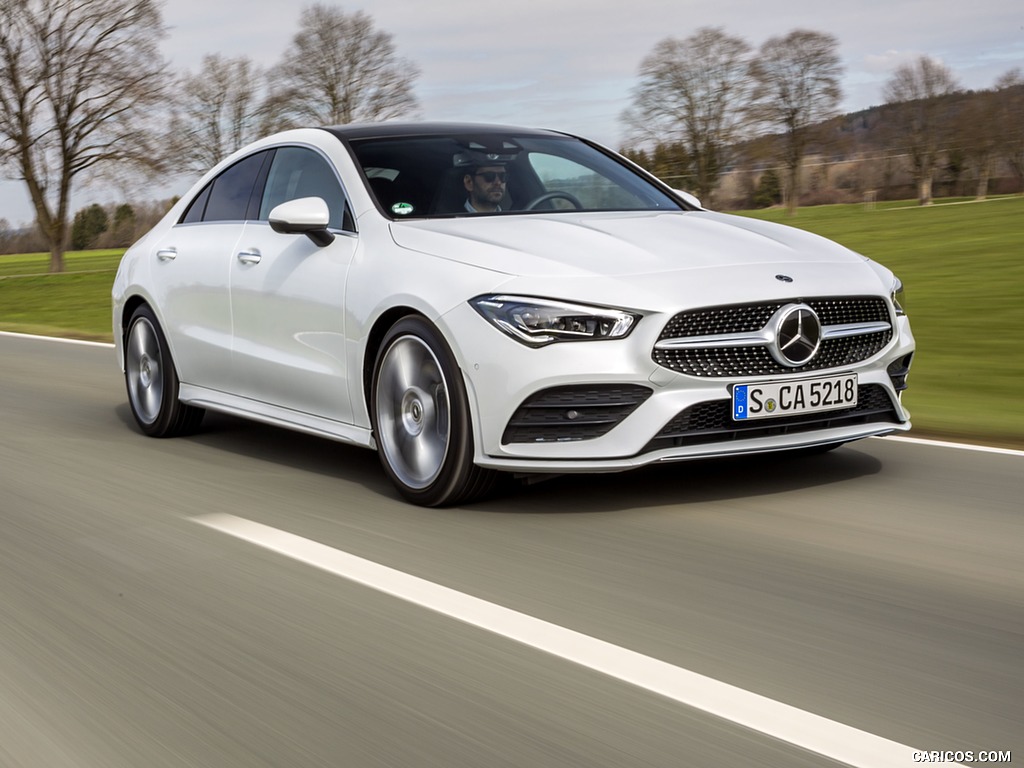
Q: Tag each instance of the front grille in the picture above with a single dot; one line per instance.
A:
(711, 422)
(572, 413)
(719, 362)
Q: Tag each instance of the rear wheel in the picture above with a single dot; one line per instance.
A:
(421, 418)
(152, 381)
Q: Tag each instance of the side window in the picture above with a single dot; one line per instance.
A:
(299, 172)
(228, 196)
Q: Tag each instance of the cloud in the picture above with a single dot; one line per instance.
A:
(886, 63)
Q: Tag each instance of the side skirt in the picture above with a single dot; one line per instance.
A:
(276, 416)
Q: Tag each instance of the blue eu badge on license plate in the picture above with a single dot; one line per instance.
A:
(739, 403)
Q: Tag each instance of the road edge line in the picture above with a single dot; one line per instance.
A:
(60, 339)
(949, 444)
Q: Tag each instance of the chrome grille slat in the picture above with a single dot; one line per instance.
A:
(852, 329)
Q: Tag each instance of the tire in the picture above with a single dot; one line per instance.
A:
(152, 380)
(421, 420)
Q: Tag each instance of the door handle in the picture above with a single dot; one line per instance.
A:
(167, 254)
(250, 257)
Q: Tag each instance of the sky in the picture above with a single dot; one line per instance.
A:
(572, 64)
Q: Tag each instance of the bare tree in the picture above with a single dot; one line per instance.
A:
(1010, 121)
(76, 81)
(797, 88)
(339, 70)
(693, 92)
(917, 89)
(218, 111)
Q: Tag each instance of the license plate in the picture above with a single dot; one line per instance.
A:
(763, 401)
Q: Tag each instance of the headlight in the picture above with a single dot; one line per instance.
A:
(537, 322)
(896, 294)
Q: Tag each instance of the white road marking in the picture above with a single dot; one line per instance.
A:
(795, 726)
(961, 446)
(106, 344)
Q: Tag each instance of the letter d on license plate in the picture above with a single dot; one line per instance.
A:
(762, 401)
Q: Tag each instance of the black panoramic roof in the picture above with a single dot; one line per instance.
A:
(397, 130)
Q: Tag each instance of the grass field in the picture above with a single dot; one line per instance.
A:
(75, 303)
(962, 263)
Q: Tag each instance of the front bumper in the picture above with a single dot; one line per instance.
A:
(502, 374)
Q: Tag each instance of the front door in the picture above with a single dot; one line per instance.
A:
(287, 297)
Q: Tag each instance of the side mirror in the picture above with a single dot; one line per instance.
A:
(306, 216)
(688, 198)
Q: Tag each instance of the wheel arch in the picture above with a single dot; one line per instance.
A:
(151, 377)
(374, 339)
(131, 303)
(456, 478)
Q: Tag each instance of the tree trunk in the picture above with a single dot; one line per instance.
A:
(924, 196)
(982, 191)
(56, 259)
(55, 233)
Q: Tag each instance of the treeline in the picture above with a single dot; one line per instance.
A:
(864, 155)
(735, 124)
(116, 225)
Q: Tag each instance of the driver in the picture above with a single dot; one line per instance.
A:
(486, 187)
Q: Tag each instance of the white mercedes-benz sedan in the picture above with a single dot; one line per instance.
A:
(470, 300)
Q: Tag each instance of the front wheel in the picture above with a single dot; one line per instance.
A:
(421, 419)
(152, 380)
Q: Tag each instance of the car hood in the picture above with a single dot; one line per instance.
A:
(615, 244)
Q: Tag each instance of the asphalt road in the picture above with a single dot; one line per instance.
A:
(880, 587)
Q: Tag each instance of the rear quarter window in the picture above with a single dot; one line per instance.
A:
(230, 195)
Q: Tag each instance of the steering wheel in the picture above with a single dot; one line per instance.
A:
(556, 195)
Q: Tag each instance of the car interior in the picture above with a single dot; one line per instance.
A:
(424, 177)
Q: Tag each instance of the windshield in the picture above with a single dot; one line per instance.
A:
(432, 176)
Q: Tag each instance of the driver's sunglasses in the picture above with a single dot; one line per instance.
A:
(490, 176)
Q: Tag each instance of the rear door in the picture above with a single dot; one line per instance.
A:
(190, 264)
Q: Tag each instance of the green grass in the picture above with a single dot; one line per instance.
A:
(76, 261)
(962, 264)
(963, 267)
(75, 303)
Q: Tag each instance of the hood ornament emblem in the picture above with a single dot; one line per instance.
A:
(784, 278)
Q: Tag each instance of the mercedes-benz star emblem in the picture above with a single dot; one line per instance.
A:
(797, 335)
